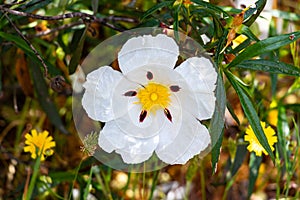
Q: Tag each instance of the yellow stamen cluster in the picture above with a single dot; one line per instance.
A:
(153, 96)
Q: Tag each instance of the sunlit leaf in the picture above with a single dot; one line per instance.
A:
(264, 46)
(270, 66)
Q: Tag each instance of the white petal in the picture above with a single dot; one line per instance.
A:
(97, 98)
(201, 77)
(131, 125)
(133, 150)
(146, 50)
(191, 139)
(198, 145)
(171, 129)
(132, 158)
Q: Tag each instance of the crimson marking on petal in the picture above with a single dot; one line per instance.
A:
(149, 75)
(174, 88)
(143, 115)
(168, 114)
(130, 93)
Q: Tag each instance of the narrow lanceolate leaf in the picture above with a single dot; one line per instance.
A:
(264, 46)
(250, 112)
(254, 12)
(155, 8)
(77, 54)
(215, 153)
(217, 123)
(270, 66)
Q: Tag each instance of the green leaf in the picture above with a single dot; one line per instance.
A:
(218, 27)
(250, 112)
(20, 43)
(259, 6)
(41, 90)
(231, 111)
(264, 46)
(254, 165)
(88, 184)
(246, 31)
(155, 8)
(78, 52)
(217, 122)
(215, 152)
(221, 43)
(271, 66)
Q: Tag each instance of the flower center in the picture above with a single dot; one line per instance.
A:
(153, 96)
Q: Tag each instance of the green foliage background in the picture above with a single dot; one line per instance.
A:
(41, 46)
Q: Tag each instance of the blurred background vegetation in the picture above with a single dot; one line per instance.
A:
(42, 45)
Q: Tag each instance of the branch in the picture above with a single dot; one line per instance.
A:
(84, 16)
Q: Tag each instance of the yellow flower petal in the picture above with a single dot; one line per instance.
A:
(254, 144)
(39, 144)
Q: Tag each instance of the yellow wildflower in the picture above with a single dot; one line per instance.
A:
(254, 144)
(39, 144)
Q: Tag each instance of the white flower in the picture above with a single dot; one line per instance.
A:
(150, 106)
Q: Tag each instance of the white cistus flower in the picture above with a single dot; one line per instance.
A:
(151, 105)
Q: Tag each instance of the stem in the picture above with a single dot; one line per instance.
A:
(33, 178)
(144, 182)
(278, 166)
(87, 187)
(105, 190)
(75, 178)
(155, 179)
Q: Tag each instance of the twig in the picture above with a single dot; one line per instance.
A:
(84, 16)
(30, 45)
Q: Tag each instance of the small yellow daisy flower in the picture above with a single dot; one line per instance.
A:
(39, 143)
(254, 143)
